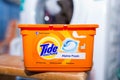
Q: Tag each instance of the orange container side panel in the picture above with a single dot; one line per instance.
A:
(58, 47)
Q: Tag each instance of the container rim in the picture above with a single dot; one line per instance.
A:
(58, 25)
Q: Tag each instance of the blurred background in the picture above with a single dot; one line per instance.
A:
(106, 13)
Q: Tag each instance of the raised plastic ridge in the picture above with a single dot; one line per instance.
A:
(58, 26)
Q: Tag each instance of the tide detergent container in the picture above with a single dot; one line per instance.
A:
(58, 47)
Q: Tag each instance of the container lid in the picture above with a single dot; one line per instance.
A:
(57, 26)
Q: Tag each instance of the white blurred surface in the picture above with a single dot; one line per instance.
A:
(28, 14)
(16, 47)
(52, 7)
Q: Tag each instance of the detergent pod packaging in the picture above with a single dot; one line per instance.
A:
(58, 47)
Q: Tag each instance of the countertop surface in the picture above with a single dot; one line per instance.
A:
(14, 66)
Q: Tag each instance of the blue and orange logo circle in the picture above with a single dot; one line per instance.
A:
(48, 47)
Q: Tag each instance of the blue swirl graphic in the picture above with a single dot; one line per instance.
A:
(70, 45)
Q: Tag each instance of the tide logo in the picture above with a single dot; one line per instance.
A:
(48, 49)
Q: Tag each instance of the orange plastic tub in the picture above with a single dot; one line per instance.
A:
(58, 47)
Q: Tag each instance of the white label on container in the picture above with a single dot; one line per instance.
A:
(71, 56)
